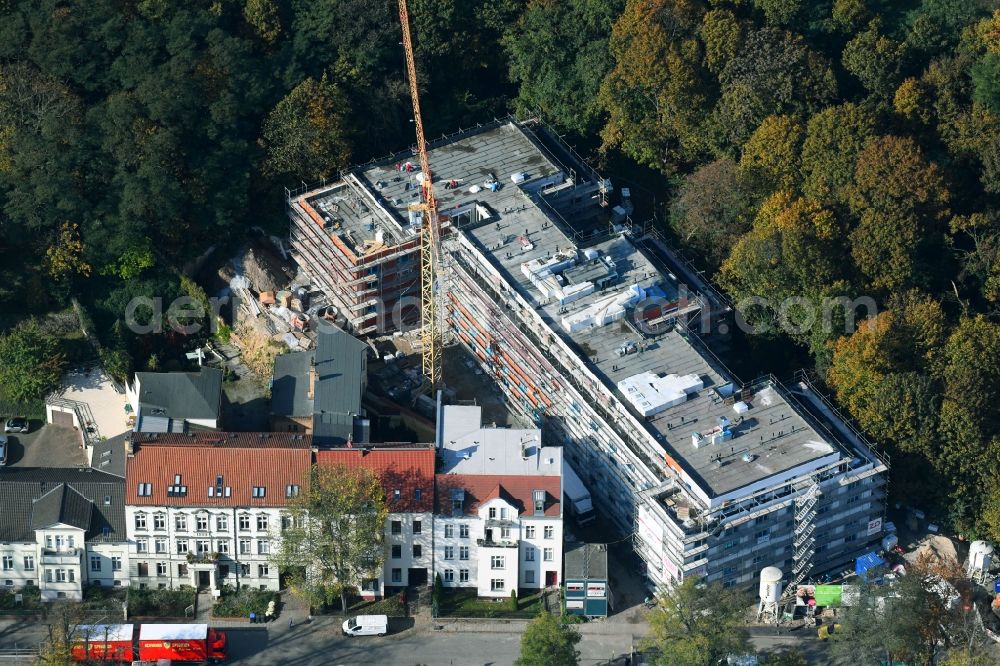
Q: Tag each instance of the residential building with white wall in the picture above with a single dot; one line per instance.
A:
(498, 515)
(205, 509)
(62, 529)
(407, 476)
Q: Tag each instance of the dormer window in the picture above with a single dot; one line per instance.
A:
(493, 512)
(145, 490)
(291, 491)
(397, 494)
(539, 497)
(259, 491)
(457, 502)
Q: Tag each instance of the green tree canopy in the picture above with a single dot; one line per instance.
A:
(548, 642)
(335, 537)
(711, 211)
(31, 362)
(696, 624)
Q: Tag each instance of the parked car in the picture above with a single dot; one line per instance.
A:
(366, 625)
(3, 450)
(16, 424)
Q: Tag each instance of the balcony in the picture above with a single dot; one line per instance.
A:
(60, 556)
(202, 558)
(503, 543)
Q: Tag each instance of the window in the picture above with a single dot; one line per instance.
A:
(263, 547)
(397, 552)
(262, 523)
(29, 562)
(222, 523)
(529, 576)
(160, 521)
(71, 540)
(463, 575)
(449, 575)
(396, 527)
(182, 570)
(222, 546)
(48, 540)
(143, 569)
(496, 562)
(263, 571)
(60, 542)
(418, 550)
(161, 568)
(182, 546)
(259, 491)
(161, 545)
(61, 575)
(529, 532)
(418, 494)
(181, 522)
(449, 531)
(244, 546)
(417, 527)
(140, 521)
(8, 562)
(397, 575)
(244, 569)
(493, 512)
(463, 552)
(732, 544)
(505, 532)
(201, 522)
(463, 531)
(95, 562)
(529, 554)
(244, 522)
(397, 494)
(549, 532)
(145, 489)
(116, 562)
(503, 513)
(141, 546)
(291, 491)
(497, 585)
(539, 497)
(547, 554)
(48, 575)
(202, 546)
(449, 552)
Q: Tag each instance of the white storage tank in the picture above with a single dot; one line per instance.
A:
(980, 556)
(770, 585)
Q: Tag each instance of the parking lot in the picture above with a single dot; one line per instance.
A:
(45, 446)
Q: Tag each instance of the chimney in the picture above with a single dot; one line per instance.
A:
(312, 378)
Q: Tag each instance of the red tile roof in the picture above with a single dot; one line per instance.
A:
(481, 488)
(405, 469)
(244, 461)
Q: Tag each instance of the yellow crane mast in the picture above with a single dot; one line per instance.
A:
(431, 323)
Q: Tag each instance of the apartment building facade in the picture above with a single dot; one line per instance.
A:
(498, 516)
(61, 530)
(206, 509)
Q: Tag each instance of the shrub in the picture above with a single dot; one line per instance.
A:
(160, 603)
(245, 601)
(513, 600)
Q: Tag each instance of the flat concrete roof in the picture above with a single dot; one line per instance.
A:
(469, 448)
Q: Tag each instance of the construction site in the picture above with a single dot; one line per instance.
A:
(598, 332)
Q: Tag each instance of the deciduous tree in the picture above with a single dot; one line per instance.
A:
(711, 210)
(697, 624)
(548, 642)
(335, 536)
(834, 138)
(31, 362)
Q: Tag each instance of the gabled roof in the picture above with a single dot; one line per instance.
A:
(515, 490)
(181, 395)
(404, 469)
(338, 362)
(61, 505)
(63, 494)
(245, 461)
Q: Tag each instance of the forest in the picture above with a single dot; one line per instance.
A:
(796, 149)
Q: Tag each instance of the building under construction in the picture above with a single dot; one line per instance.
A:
(587, 322)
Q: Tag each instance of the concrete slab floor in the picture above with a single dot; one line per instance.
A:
(463, 375)
(94, 388)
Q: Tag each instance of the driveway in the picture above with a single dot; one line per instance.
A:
(45, 446)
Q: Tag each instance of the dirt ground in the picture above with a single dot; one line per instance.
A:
(246, 407)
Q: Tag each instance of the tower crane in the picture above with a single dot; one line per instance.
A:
(431, 311)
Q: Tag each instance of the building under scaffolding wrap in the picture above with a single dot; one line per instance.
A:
(585, 321)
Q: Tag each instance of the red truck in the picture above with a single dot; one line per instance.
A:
(178, 643)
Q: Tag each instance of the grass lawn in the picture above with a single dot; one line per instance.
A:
(391, 606)
(466, 603)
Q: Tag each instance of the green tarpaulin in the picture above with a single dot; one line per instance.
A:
(828, 595)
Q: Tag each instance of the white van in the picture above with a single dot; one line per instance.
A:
(366, 625)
